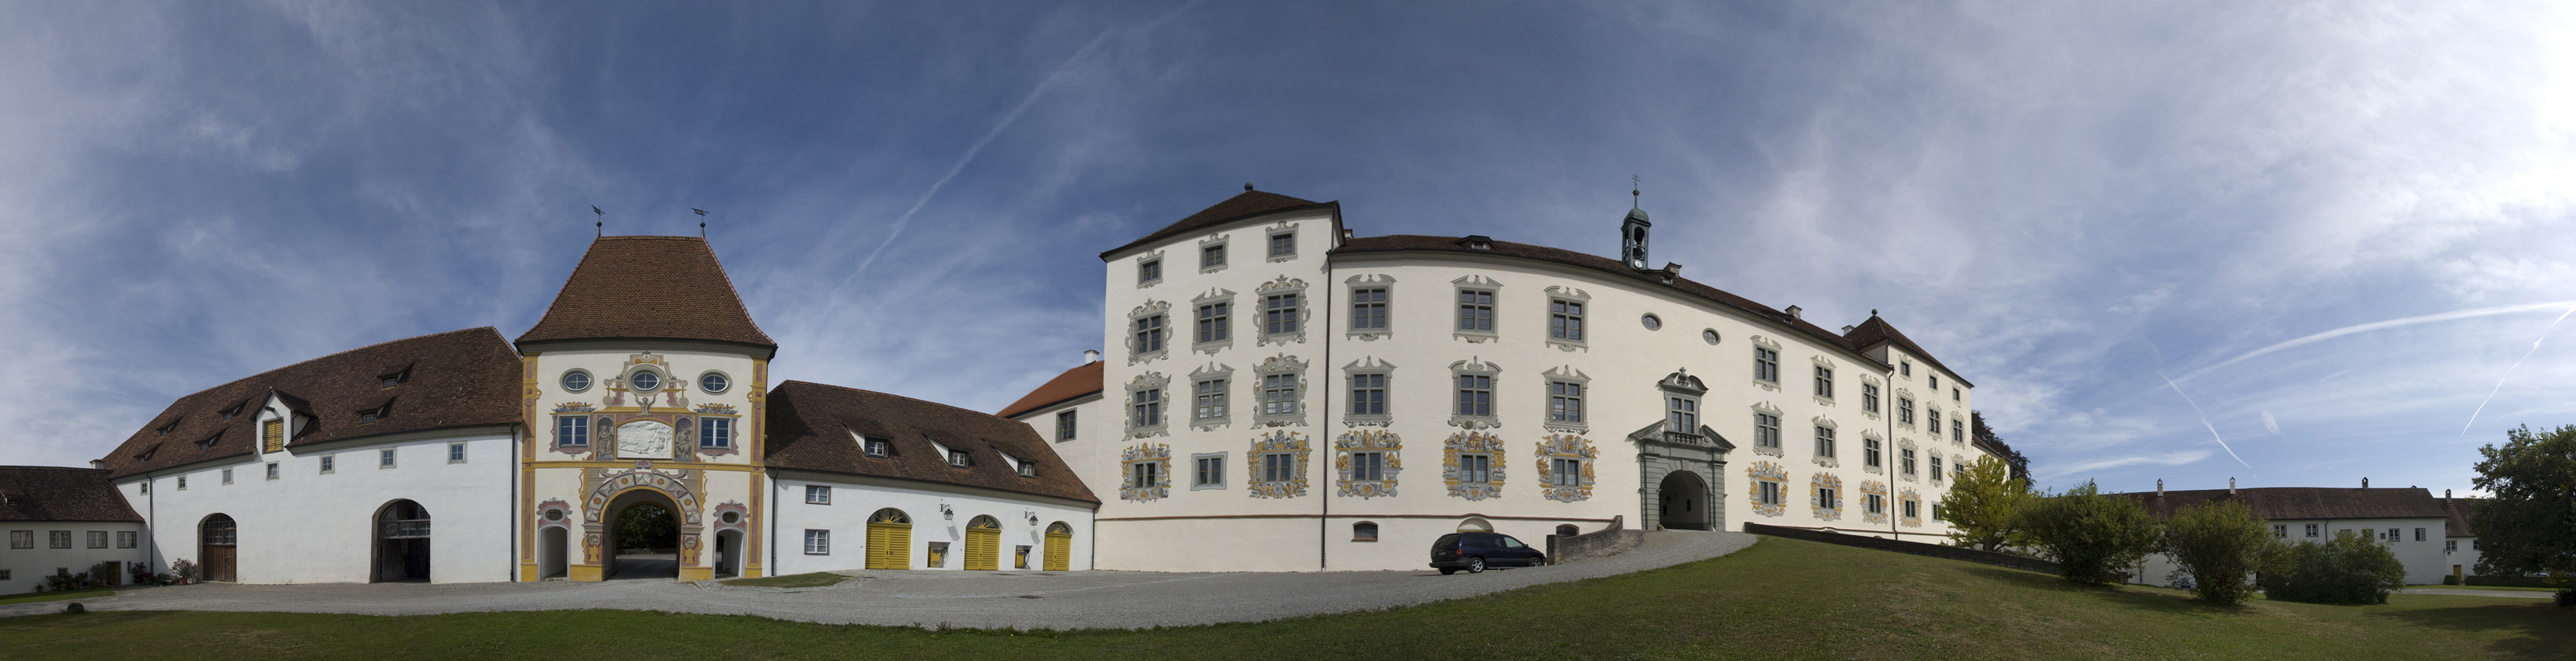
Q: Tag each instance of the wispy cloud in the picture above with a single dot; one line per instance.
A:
(2508, 371)
(2176, 458)
(2382, 325)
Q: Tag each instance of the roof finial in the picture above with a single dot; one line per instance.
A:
(1247, 187)
(702, 222)
(1873, 312)
(599, 222)
(1635, 185)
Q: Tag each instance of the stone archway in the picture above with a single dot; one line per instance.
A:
(402, 533)
(633, 558)
(1684, 503)
(613, 494)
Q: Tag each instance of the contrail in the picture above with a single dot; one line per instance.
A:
(2508, 372)
(2204, 422)
(2376, 325)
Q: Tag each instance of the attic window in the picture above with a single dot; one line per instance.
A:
(958, 459)
(209, 443)
(230, 412)
(164, 430)
(147, 454)
(877, 447)
(371, 415)
(394, 379)
(1476, 242)
(1028, 469)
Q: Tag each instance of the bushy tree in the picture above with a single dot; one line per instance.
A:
(2349, 569)
(647, 526)
(2092, 536)
(1984, 507)
(2529, 525)
(2220, 544)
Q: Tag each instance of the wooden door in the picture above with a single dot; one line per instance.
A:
(889, 540)
(984, 544)
(1059, 547)
(217, 554)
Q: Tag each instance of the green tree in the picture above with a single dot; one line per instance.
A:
(647, 526)
(1984, 507)
(2529, 523)
(2091, 535)
(2221, 544)
(2349, 569)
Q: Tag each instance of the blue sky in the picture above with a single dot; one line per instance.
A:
(2298, 244)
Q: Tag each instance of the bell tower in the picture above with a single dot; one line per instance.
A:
(1632, 234)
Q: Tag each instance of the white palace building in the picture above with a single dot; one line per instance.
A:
(1281, 395)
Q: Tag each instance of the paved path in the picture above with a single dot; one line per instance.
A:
(2469, 592)
(1010, 599)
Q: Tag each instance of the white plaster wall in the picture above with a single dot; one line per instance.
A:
(28, 567)
(2425, 562)
(308, 527)
(854, 501)
(2466, 558)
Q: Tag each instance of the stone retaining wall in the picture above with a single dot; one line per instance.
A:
(1613, 540)
(1914, 548)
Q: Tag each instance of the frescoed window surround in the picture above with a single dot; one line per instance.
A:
(1867, 437)
(734, 445)
(1372, 281)
(1774, 346)
(1477, 283)
(1557, 293)
(1473, 442)
(1473, 366)
(1907, 499)
(573, 410)
(1135, 389)
(1190, 326)
(1868, 489)
(1304, 313)
(1830, 367)
(1369, 365)
(1822, 459)
(1190, 403)
(564, 515)
(1827, 508)
(1386, 444)
(1213, 241)
(1765, 408)
(1282, 364)
(741, 516)
(1565, 447)
(1547, 414)
(1153, 256)
(1278, 442)
(1137, 352)
(1759, 473)
(1158, 454)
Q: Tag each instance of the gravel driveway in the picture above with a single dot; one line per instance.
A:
(1012, 599)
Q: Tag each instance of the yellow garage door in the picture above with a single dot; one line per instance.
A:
(984, 543)
(1059, 547)
(889, 540)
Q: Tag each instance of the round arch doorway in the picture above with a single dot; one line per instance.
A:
(643, 536)
(402, 543)
(1685, 501)
(218, 557)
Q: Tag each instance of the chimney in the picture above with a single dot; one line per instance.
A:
(1090, 356)
(2160, 485)
(1672, 268)
(1793, 312)
(2231, 486)
(2446, 494)
(2365, 483)
(1848, 329)
(97, 463)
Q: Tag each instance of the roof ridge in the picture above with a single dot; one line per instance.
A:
(495, 333)
(783, 384)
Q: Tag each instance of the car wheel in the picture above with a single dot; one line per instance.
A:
(1538, 561)
(1476, 565)
(1445, 571)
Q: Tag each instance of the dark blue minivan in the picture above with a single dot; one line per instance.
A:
(1474, 551)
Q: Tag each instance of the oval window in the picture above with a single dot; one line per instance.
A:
(576, 381)
(645, 380)
(554, 515)
(1709, 336)
(713, 382)
(733, 517)
(1652, 322)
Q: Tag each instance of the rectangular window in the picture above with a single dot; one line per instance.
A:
(1278, 467)
(1368, 394)
(1932, 416)
(1565, 472)
(1958, 431)
(272, 470)
(1869, 452)
(1149, 271)
(878, 447)
(228, 476)
(1279, 314)
(2419, 534)
(1476, 310)
(1770, 492)
(959, 459)
(1954, 394)
(1825, 442)
(572, 431)
(1149, 407)
(126, 539)
(1565, 401)
(1212, 321)
(1869, 397)
(2281, 530)
(1063, 426)
(1565, 320)
(1278, 394)
(22, 539)
(1368, 466)
(61, 539)
(1208, 472)
(1936, 383)
(385, 458)
(2450, 546)
(2312, 530)
(1766, 430)
(1824, 382)
(1826, 498)
(1141, 475)
(1905, 410)
(1906, 458)
(98, 539)
(716, 433)
(183, 483)
(1475, 395)
(1475, 468)
(1766, 365)
(455, 453)
(1368, 309)
(2477, 545)
(1027, 468)
(1212, 256)
(818, 542)
(1282, 245)
(1681, 415)
(1936, 468)
(1913, 509)
(818, 495)
(2396, 535)
(1877, 504)
(1149, 334)
(1905, 368)
(1210, 401)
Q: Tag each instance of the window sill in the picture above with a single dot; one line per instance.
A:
(1371, 335)
(1769, 451)
(1569, 345)
(1146, 356)
(1279, 420)
(1368, 420)
(1274, 259)
(1149, 283)
(1210, 347)
(1144, 432)
(1282, 339)
(1571, 427)
(1828, 462)
(1472, 422)
(1823, 400)
(1475, 337)
(1210, 424)
(1773, 386)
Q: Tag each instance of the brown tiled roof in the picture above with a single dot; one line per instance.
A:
(1076, 382)
(810, 426)
(54, 493)
(1877, 330)
(649, 287)
(1416, 242)
(455, 379)
(2307, 502)
(1251, 202)
(2459, 510)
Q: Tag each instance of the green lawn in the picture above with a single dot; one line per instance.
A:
(2486, 587)
(26, 597)
(1780, 599)
(816, 579)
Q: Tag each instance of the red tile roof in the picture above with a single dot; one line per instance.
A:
(1250, 203)
(811, 426)
(2460, 510)
(54, 493)
(1871, 333)
(649, 287)
(1076, 382)
(2277, 503)
(458, 378)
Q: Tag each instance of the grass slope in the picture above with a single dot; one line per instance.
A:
(1779, 599)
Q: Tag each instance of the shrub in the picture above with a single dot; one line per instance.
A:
(2349, 569)
(2220, 544)
(2092, 536)
(184, 569)
(2567, 596)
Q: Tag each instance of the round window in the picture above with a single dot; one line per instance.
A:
(576, 381)
(712, 382)
(1652, 322)
(733, 517)
(646, 380)
(554, 515)
(1709, 336)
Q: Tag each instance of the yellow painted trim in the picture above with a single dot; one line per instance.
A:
(584, 573)
(753, 572)
(697, 573)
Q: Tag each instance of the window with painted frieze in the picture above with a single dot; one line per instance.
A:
(1475, 468)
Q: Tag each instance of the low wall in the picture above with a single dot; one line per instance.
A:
(1912, 548)
(1613, 540)
(2505, 581)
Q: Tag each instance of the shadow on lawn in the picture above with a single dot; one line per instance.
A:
(2541, 630)
(2169, 601)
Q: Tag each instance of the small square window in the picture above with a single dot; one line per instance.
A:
(1028, 469)
(958, 459)
(272, 470)
(1064, 426)
(1283, 244)
(1207, 471)
(818, 494)
(455, 453)
(385, 458)
(818, 542)
(327, 464)
(98, 539)
(1212, 256)
(126, 539)
(878, 447)
(2281, 530)
(1149, 271)
(2312, 530)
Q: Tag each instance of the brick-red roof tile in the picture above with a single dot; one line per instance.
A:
(649, 287)
(54, 493)
(810, 427)
(1250, 203)
(1076, 382)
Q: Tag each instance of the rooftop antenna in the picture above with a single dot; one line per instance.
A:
(702, 222)
(599, 222)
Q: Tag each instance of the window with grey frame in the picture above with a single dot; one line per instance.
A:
(1212, 256)
(1932, 419)
(1958, 430)
(1283, 244)
(1207, 471)
(1143, 475)
(1149, 334)
(1681, 414)
(1565, 320)
(1870, 454)
(1824, 382)
(1766, 430)
(1565, 401)
(1936, 467)
(1368, 466)
(1475, 468)
(572, 431)
(1213, 318)
(1208, 399)
(1476, 310)
(1368, 309)
(1148, 409)
(1149, 271)
(1279, 394)
(1278, 466)
(1906, 458)
(1565, 472)
(1279, 314)
(1905, 410)
(1766, 364)
(1825, 441)
(1064, 426)
(1368, 393)
(1476, 395)
(1869, 397)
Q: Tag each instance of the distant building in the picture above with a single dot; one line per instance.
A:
(2414, 525)
(67, 521)
(2460, 542)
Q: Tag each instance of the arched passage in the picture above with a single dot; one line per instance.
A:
(402, 543)
(983, 543)
(1059, 547)
(890, 539)
(1685, 501)
(217, 558)
(554, 543)
(642, 536)
(728, 553)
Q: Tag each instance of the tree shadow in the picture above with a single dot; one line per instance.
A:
(2181, 602)
(2541, 630)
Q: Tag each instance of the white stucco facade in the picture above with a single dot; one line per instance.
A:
(38, 549)
(938, 513)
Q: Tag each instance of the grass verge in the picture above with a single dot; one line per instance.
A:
(32, 597)
(1779, 599)
(813, 580)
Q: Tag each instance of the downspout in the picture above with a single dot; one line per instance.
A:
(1888, 443)
(1324, 523)
(517, 527)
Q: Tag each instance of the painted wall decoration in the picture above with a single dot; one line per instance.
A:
(1873, 488)
(644, 439)
(1158, 455)
(1827, 504)
(1907, 499)
(1472, 443)
(1759, 473)
(1277, 442)
(1568, 447)
(554, 513)
(739, 519)
(1387, 444)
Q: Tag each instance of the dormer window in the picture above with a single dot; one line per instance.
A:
(230, 412)
(209, 442)
(1476, 242)
(1028, 469)
(958, 459)
(373, 414)
(164, 430)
